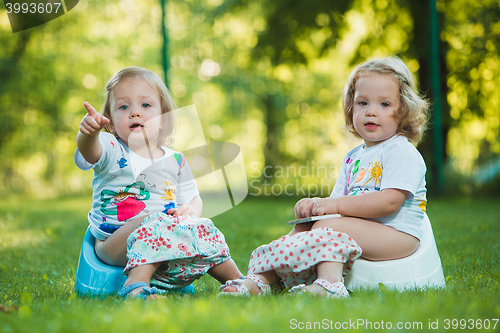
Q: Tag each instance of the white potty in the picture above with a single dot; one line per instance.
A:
(421, 270)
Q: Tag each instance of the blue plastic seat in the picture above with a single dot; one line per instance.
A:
(95, 278)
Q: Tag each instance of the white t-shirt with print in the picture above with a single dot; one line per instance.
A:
(126, 186)
(394, 163)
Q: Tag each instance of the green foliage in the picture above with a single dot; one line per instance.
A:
(40, 243)
(289, 22)
(48, 72)
(267, 76)
(473, 62)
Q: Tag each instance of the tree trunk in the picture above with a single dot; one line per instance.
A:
(421, 49)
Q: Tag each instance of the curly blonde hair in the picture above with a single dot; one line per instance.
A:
(413, 110)
(166, 100)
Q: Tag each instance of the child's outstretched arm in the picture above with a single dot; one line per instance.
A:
(87, 139)
(369, 205)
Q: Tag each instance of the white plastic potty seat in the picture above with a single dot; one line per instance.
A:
(421, 270)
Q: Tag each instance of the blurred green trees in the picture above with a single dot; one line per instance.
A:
(267, 75)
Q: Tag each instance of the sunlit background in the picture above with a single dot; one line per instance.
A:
(266, 75)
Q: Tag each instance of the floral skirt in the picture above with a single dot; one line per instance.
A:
(186, 246)
(294, 258)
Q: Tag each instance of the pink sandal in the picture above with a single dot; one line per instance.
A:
(333, 290)
(242, 290)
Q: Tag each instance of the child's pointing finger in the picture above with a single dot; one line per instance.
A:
(103, 120)
(100, 119)
(90, 109)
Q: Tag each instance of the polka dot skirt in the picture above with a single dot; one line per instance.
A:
(294, 258)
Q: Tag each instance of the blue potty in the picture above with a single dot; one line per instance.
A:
(95, 278)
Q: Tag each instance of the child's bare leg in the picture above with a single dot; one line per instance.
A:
(141, 273)
(225, 271)
(327, 270)
(330, 271)
(378, 242)
(269, 277)
(229, 271)
(301, 228)
(113, 250)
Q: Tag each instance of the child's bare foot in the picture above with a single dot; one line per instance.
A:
(316, 289)
(322, 288)
(141, 290)
(246, 286)
(249, 284)
(138, 293)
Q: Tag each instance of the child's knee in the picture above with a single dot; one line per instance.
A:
(225, 271)
(301, 228)
(333, 223)
(111, 254)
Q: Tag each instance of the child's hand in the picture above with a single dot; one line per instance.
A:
(93, 121)
(324, 206)
(303, 208)
(182, 210)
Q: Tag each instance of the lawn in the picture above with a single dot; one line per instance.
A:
(40, 242)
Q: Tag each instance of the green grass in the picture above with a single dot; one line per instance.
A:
(40, 243)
